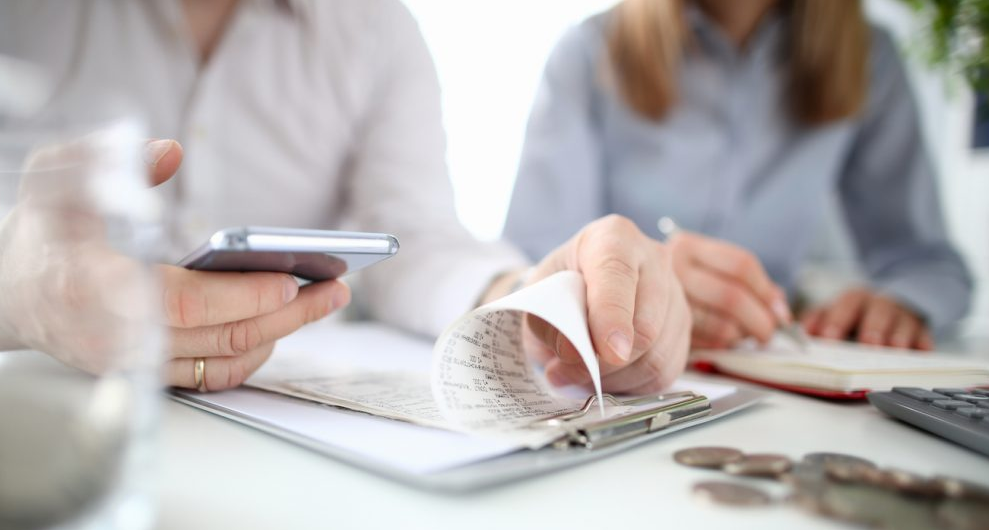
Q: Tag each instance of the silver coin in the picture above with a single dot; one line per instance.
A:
(803, 477)
(731, 494)
(809, 484)
(853, 472)
(876, 507)
(825, 459)
(909, 483)
(964, 514)
(962, 489)
(759, 465)
(711, 457)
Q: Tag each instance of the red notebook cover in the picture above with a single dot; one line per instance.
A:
(851, 395)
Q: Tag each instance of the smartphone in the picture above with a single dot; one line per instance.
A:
(312, 255)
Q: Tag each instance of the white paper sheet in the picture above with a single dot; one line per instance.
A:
(349, 352)
(402, 396)
(380, 441)
(480, 382)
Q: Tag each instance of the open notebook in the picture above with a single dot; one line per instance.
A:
(842, 370)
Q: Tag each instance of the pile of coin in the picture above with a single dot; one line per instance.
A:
(843, 487)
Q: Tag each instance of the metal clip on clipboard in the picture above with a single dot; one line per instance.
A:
(603, 432)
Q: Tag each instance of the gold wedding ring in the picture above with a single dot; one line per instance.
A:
(199, 374)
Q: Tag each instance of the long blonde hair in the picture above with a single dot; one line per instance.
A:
(826, 53)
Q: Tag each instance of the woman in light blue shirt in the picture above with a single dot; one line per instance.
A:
(738, 120)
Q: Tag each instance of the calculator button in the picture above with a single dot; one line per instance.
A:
(918, 393)
(973, 412)
(951, 404)
(980, 391)
(971, 398)
(983, 404)
(951, 391)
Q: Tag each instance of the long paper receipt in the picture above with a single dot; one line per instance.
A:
(481, 377)
(481, 380)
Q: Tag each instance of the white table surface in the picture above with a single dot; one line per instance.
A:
(215, 473)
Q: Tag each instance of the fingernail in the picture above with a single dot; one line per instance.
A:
(340, 298)
(831, 331)
(621, 345)
(870, 336)
(782, 311)
(156, 150)
(291, 289)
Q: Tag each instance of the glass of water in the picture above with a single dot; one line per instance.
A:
(80, 338)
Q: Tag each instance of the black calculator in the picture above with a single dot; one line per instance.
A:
(958, 414)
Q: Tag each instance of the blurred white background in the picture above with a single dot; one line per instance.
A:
(490, 55)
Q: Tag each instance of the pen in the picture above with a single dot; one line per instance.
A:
(794, 331)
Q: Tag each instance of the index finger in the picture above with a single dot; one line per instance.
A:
(610, 265)
(552, 340)
(198, 298)
(737, 264)
(730, 301)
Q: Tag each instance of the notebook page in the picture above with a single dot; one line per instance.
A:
(855, 358)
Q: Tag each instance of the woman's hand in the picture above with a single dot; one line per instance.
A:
(731, 297)
(875, 319)
(637, 315)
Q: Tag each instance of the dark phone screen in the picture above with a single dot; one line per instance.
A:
(312, 266)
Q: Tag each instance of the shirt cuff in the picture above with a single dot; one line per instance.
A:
(940, 301)
(426, 292)
(463, 286)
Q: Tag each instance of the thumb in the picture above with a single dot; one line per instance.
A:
(163, 158)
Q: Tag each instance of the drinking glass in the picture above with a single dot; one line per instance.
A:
(81, 343)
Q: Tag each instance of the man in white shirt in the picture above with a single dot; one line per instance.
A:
(324, 114)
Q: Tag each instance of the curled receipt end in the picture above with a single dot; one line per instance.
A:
(482, 379)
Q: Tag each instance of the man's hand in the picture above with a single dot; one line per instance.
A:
(637, 314)
(163, 158)
(731, 296)
(875, 319)
(65, 291)
(233, 319)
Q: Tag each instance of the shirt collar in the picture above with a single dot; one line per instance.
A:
(293, 7)
(710, 33)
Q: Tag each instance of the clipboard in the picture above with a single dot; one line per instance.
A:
(584, 441)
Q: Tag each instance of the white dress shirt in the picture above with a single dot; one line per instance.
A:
(310, 114)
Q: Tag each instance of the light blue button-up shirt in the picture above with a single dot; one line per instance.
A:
(728, 161)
